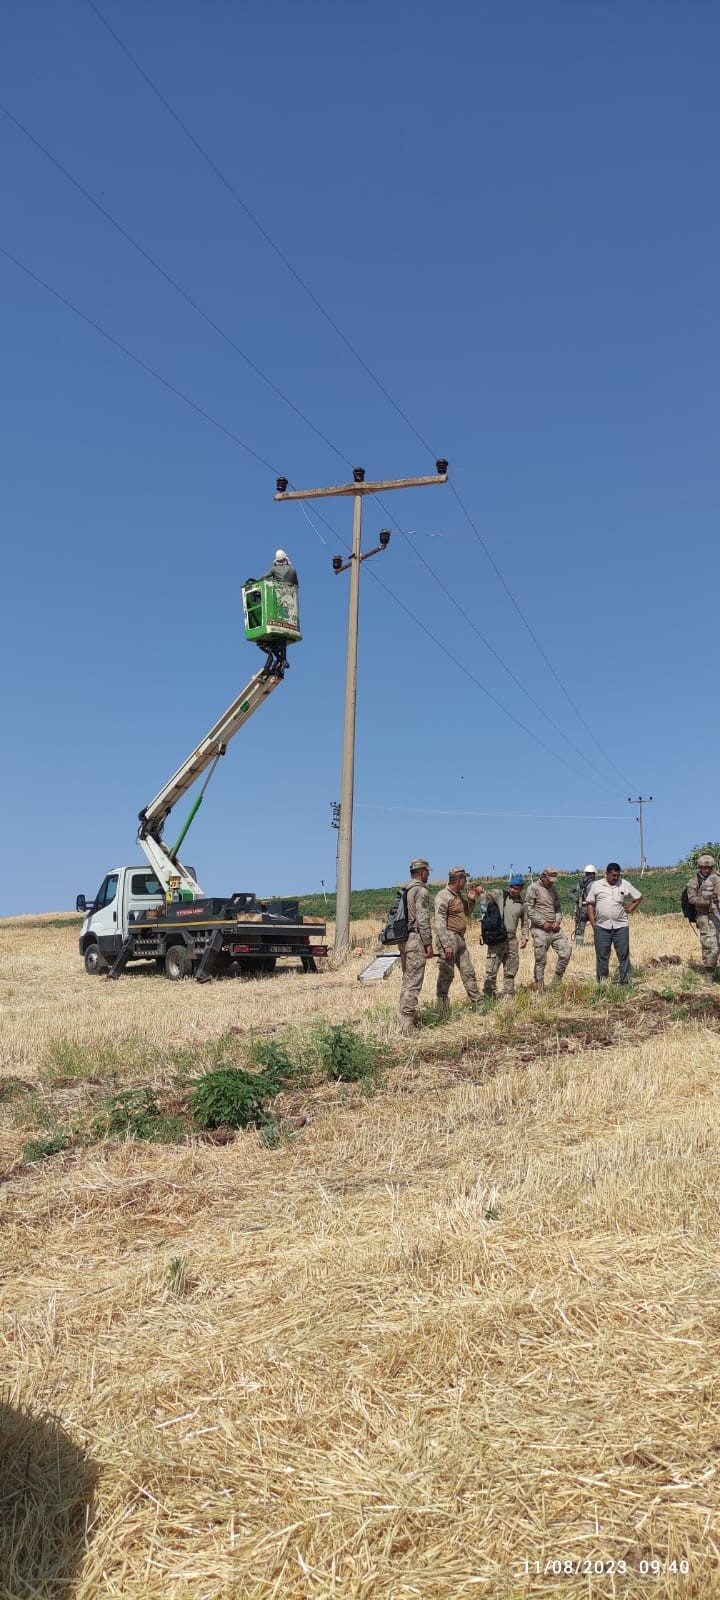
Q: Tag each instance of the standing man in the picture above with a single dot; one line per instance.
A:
(545, 913)
(504, 950)
(609, 920)
(417, 948)
(588, 877)
(454, 907)
(703, 890)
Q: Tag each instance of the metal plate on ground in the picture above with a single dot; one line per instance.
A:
(380, 967)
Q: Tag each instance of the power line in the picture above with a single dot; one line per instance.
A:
(517, 681)
(531, 631)
(538, 816)
(173, 283)
(457, 663)
(150, 259)
(366, 368)
(468, 674)
(137, 359)
(228, 432)
(257, 224)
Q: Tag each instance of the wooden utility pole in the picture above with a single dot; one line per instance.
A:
(642, 800)
(358, 488)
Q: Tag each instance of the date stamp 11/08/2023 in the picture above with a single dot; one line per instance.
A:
(603, 1567)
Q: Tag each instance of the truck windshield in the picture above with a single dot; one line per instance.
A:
(107, 891)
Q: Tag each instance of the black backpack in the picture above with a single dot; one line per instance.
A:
(686, 905)
(493, 923)
(397, 926)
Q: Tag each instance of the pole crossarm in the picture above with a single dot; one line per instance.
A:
(362, 488)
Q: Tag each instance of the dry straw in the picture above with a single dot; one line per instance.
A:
(457, 1328)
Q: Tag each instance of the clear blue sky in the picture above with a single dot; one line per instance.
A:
(510, 209)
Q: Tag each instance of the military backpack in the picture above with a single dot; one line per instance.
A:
(686, 905)
(397, 926)
(493, 923)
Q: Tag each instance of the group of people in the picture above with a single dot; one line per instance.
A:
(509, 917)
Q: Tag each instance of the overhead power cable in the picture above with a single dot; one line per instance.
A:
(359, 358)
(461, 665)
(145, 254)
(495, 653)
(230, 434)
(538, 816)
(173, 283)
(533, 635)
(137, 359)
(220, 175)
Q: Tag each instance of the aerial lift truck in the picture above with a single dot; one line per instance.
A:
(163, 915)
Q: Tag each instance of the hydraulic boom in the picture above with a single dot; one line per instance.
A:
(163, 858)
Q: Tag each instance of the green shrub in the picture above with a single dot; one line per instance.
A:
(348, 1056)
(271, 1056)
(229, 1097)
(51, 1145)
(138, 1114)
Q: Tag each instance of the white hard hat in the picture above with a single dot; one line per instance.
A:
(589, 867)
(281, 555)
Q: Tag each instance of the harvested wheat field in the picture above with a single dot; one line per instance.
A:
(442, 1321)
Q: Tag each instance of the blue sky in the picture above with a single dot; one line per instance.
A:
(510, 210)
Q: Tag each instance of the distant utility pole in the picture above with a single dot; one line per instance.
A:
(357, 489)
(642, 800)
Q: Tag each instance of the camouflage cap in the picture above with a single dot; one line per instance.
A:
(418, 864)
(707, 861)
(457, 872)
(550, 872)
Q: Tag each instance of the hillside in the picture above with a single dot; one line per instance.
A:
(661, 888)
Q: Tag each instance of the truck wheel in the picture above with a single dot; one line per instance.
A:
(94, 961)
(177, 962)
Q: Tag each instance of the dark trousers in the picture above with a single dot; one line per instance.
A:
(605, 938)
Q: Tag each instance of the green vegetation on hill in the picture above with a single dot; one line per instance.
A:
(661, 888)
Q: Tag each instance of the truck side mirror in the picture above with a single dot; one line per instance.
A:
(81, 903)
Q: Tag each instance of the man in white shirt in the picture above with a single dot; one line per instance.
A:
(609, 920)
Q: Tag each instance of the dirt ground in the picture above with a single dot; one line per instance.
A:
(458, 1335)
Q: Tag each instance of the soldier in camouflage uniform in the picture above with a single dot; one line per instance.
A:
(417, 948)
(543, 907)
(703, 892)
(454, 907)
(506, 953)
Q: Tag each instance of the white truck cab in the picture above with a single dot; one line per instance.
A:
(124, 896)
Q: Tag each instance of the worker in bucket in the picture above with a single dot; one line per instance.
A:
(282, 569)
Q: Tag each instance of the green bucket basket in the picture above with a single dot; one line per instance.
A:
(271, 611)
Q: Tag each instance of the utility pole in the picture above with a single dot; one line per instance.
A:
(358, 488)
(642, 800)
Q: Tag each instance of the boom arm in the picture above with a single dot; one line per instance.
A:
(162, 857)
